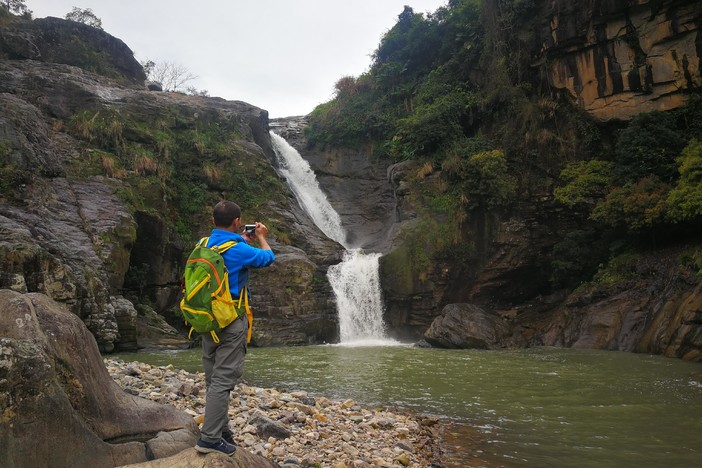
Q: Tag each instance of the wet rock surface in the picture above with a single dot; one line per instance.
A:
(56, 393)
(466, 326)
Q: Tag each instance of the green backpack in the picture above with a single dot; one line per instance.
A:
(207, 304)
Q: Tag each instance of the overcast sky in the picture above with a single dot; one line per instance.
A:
(281, 55)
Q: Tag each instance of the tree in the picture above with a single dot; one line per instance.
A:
(636, 207)
(587, 182)
(685, 200)
(18, 7)
(85, 16)
(171, 76)
(486, 180)
(648, 147)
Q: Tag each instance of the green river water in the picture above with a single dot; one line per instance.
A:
(539, 407)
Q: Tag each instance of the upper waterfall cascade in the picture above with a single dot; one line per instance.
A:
(356, 280)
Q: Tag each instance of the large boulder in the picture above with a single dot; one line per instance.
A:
(466, 326)
(60, 407)
(61, 41)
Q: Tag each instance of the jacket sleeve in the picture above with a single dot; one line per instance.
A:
(255, 257)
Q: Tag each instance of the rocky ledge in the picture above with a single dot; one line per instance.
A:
(293, 428)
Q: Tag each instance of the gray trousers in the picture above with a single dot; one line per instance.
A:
(224, 364)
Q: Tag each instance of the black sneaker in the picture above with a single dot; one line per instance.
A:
(228, 437)
(209, 447)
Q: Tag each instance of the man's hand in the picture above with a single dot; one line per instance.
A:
(261, 231)
(259, 234)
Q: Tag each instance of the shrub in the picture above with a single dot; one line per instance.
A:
(634, 206)
(648, 147)
(486, 180)
(576, 257)
(586, 182)
(685, 200)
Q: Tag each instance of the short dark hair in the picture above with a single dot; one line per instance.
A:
(225, 212)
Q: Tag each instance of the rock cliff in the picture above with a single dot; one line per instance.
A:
(618, 58)
(104, 186)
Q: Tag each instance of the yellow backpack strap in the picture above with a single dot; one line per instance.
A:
(215, 338)
(243, 295)
(203, 242)
(220, 249)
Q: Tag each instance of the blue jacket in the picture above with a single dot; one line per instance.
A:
(239, 258)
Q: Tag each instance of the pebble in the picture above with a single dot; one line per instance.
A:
(323, 432)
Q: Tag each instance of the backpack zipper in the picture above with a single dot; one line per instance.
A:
(198, 287)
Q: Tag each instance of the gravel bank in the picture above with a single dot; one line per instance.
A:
(294, 429)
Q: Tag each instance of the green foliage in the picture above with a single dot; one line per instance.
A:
(85, 16)
(618, 270)
(585, 182)
(104, 127)
(395, 104)
(576, 257)
(634, 206)
(439, 121)
(12, 175)
(447, 89)
(359, 113)
(685, 200)
(648, 147)
(17, 7)
(410, 42)
(693, 259)
(484, 179)
(175, 165)
(11, 178)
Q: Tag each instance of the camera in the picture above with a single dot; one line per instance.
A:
(250, 229)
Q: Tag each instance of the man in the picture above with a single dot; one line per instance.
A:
(224, 361)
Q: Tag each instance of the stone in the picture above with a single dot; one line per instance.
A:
(266, 427)
(403, 459)
(74, 239)
(66, 398)
(466, 326)
(190, 458)
(348, 404)
(50, 39)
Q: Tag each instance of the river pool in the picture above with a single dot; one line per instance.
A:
(537, 407)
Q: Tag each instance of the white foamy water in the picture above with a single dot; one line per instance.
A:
(355, 281)
(303, 183)
(356, 284)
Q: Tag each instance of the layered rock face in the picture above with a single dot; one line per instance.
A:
(619, 58)
(660, 314)
(56, 393)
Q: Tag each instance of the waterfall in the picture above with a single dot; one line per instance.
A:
(355, 281)
(303, 183)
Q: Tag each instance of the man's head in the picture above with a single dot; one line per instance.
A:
(225, 213)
